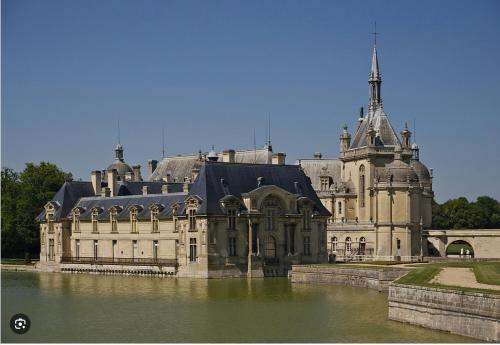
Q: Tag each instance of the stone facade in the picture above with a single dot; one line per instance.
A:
(475, 315)
(378, 191)
(233, 220)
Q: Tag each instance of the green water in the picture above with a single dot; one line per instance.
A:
(97, 308)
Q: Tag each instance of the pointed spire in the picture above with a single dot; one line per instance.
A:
(374, 81)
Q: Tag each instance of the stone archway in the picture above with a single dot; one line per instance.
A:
(459, 248)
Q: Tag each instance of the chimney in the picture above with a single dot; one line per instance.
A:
(152, 166)
(166, 189)
(228, 156)
(185, 187)
(194, 173)
(105, 192)
(167, 178)
(95, 177)
(137, 172)
(145, 190)
(112, 181)
(279, 158)
(317, 155)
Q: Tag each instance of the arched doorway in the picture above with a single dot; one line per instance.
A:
(459, 248)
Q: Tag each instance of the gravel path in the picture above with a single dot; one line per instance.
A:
(459, 276)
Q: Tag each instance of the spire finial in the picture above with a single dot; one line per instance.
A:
(269, 129)
(119, 142)
(375, 33)
(163, 142)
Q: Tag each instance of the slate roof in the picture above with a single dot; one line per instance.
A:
(242, 178)
(386, 135)
(180, 167)
(135, 187)
(315, 168)
(144, 201)
(67, 196)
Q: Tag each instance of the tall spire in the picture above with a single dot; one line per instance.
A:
(374, 79)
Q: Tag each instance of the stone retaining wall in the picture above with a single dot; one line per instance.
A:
(470, 314)
(373, 278)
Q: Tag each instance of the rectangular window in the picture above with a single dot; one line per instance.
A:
(114, 224)
(135, 249)
(307, 245)
(292, 239)
(114, 248)
(270, 220)
(325, 183)
(231, 219)
(192, 220)
(192, 250)
(155, 250)
(340, 208)
(95, 223)
(76, 221)
(232, 246)
(77, 249)
(51, 249)
(50, 224)
(306, 219)
(155, 221)
(133, 220)
(96, 249)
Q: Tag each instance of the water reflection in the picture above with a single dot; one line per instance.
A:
(92, 308)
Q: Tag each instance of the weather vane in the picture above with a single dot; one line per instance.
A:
(375, 33)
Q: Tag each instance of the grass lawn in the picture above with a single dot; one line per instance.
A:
(485, 272)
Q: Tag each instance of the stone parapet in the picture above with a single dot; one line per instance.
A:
(373, 278)
(475, 315)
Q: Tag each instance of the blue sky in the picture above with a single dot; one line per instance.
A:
(211, 71)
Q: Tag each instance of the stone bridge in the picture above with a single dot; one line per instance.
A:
(484, 242)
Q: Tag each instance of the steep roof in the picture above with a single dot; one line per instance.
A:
(385, 133)
(180, 167)
(67, 196)
(144, 201)
(217, 180)
(315, 168)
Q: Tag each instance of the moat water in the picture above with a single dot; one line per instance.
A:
(98, 308)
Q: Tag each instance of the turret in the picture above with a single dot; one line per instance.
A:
(406, 135)
(370, 135)
(345, 140)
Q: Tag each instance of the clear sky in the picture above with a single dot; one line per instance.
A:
(211, 71)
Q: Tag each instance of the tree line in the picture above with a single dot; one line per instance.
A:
(25, 193)
(23, 196)
(459, 213)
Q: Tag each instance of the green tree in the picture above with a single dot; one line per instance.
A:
(36, 185)
(11, 242)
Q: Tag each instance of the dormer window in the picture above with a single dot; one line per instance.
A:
(231, 219)
(76, 220)
(325, 183)
(192, 219)
(133, 219)
(154, 219)
(50, 223)
(95, 222)
(112, 220)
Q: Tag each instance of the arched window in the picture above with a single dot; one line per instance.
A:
(348, 245)
(334, 244)
(362, 246)
(362, 186)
